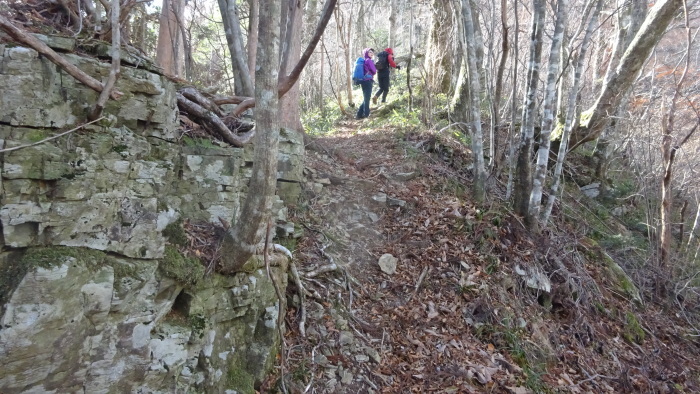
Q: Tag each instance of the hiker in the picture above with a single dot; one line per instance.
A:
(367, 83)
(385, 61)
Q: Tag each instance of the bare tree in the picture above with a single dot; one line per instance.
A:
(479, 191)
(523, 169)
(548, 116)
(669, 147)
(620, 81)
(589, 18)
(234, 39)
(243, 240)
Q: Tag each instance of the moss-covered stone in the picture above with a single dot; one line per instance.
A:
(240, 380)
(633, 330)
(175, 233)
(186, 270)
(48, 257)
(618, 276)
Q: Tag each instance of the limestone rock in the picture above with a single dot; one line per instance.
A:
(387, 263)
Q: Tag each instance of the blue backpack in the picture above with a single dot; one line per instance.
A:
(358, 74)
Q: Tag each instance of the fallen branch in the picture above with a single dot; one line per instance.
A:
(26, 39)
(50, 138)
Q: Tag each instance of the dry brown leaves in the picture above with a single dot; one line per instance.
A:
(451, 330)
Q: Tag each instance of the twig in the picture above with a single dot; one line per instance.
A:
(51, 138)
(423, 274)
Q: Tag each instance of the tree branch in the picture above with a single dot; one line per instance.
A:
(116, 61)
(26, 39)
(286, 82)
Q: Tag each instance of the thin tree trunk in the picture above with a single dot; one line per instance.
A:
(392, 24)
(234, 39)
(496, 106)
(523, 170)
(290, 111)
(244, 238)
(514, 103)
(669, 146)
(548, 117)
(116, 61)
(479, 191)
(253, 23)
(571, 111)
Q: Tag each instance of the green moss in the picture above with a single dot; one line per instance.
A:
(120, 148)
(189, 141)
(15, 265)
(186, 270)
(198, 324)
(122, 269)
(48, 257)
(239, 379)
(175, 233)
(633, 330)
(36, 135)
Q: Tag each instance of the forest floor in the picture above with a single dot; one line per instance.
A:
(457, 315)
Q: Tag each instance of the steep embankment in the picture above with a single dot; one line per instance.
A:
(474, 304)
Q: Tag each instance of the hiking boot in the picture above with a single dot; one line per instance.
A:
(374, 100)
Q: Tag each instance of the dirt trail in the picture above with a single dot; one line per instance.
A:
(455, 316)
(373, 193)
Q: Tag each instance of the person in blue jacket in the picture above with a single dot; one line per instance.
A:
(367, 83)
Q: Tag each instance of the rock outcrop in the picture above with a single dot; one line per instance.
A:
(100, 310)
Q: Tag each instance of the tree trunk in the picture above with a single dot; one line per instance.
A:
(571, 112)
(392, 24)
(479, 191)
(253, 24)
(548, 117)
(498, 88)
(170, 47)
(290, 110)
(620, 81)
(244, 238)
(523, 171)
(438, 62)
(234, 39)
(630, 19)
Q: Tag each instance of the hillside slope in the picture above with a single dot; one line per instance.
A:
(474, 305)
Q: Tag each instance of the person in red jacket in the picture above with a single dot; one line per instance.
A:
(385, 61)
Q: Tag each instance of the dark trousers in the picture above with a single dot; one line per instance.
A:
(383, 79)
(363, 111)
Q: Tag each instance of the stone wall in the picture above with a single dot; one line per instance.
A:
(113, 187)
